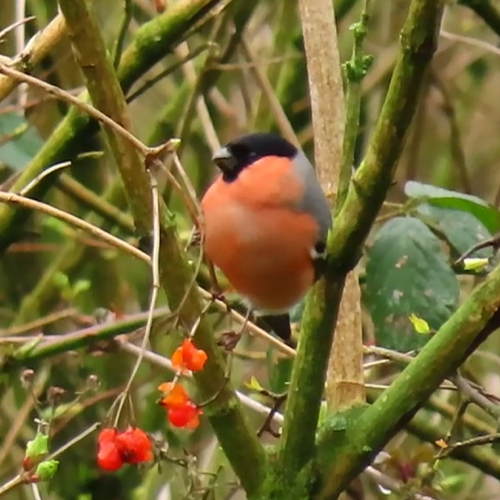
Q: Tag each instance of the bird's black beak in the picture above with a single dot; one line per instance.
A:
(224, 160)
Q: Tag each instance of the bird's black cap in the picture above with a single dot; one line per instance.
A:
(242, 152)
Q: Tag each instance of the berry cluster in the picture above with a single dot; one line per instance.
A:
(117, 448)
(133, 445)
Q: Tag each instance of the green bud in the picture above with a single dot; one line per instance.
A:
(46, 470)
(37, 447)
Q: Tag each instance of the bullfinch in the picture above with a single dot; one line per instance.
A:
(265, 224)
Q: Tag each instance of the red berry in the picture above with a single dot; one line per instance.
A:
(107, 435)
(134, 446)
(185, 416)
(109, 457)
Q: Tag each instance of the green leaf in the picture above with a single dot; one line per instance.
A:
(408, 273)
(254, 385)
(475, 264)
(421, 326)
(25, 142)
(461, 229)
(487, 214)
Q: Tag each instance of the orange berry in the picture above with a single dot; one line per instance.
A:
(176, 397)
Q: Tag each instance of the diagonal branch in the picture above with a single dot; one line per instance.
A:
(225, 413)
(443, 354)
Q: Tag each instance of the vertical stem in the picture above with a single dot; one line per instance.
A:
(345, 378)
(327, 105)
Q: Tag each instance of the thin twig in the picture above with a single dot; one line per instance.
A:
(493, 242)
(74, 441)
(54, 168)
(476, 441)
(470, 41)
(12, 484)
(38, 323)
(20, 40)
(263, 82)
(123, 32)
(476, 397)
(201, 105)
(15, 25)
(155, 288)
(73, 221)
(174, 67)
(61, 94)
(456, 146)
(36, 491)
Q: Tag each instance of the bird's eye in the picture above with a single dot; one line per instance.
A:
(320, 248)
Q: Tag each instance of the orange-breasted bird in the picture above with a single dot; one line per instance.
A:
(265, 224)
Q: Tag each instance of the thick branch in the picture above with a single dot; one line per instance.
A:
(373, 178)
(364, 198)
(369, 187)
(327, 106)
(225, 413)
(396, 406)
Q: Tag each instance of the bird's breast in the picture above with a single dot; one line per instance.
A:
(264, 253)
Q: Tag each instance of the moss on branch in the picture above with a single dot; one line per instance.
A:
(351, 226)
(397, 405)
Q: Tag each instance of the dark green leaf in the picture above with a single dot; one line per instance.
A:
(461, 229)
(408, 273)
(444, 198)
(23, 146)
